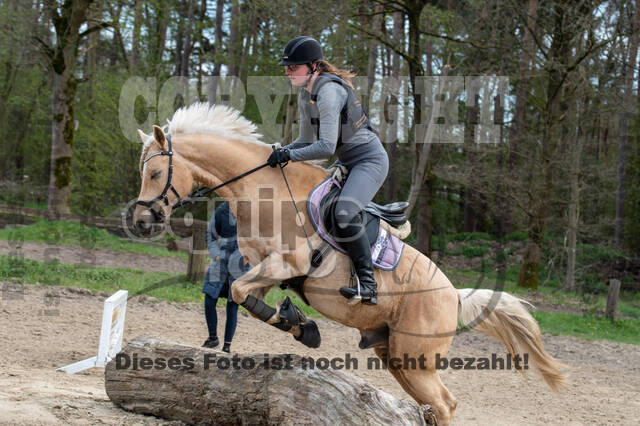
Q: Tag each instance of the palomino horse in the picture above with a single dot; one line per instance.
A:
(418, 308)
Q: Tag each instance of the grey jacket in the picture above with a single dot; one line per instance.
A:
(363, 145)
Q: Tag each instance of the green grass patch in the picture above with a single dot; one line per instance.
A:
(470, 236)
(470, 251)
(77, 234)
(589, 327)
(515, 236)
(108, 280)
(177, 288)
(23, 203)
(552, 293)
(161, 285)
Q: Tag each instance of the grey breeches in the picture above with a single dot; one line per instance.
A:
(364, 180)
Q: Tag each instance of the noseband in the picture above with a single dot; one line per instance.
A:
(168, 186)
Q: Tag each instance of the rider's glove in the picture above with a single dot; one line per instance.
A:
(279, 155)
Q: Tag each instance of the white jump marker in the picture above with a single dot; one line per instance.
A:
(110, 334)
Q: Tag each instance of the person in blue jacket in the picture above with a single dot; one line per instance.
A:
(227, 264)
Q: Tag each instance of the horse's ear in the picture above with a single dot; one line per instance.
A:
(143, 136)
(158, 135)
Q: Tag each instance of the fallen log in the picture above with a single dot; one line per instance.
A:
(206, 386)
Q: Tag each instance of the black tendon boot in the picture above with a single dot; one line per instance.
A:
(354, 239)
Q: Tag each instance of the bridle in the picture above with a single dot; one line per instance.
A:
(168, 186)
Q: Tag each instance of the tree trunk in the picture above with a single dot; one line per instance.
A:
(135, 43)
(391, 187)
(423, 233)
(528, 52)
(161, 28)
(422, 156)
(92, 61)
(575, 168)
(528, 275)
(62, 133)
(235, 40)
(248, 390)
(470, 198)
(217, 52)
(625, 117)
(372, 48)
(249, 46)
(202, 53)
(187, 44)
(519, 146)
(554, 114)
(118, 39)
(63, 61)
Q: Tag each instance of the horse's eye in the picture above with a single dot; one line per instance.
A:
(155, 174)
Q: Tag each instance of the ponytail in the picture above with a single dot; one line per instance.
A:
(325, 67)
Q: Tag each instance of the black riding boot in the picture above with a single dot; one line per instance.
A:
(354, 239)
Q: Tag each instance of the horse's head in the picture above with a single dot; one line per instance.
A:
(166, 178)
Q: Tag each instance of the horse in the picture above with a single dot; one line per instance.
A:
(418, 308)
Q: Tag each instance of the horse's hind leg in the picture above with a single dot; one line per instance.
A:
(426, 389)
(424, 385)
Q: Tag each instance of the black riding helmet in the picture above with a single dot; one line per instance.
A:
(301, 50)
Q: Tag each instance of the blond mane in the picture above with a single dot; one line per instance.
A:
(202, 117)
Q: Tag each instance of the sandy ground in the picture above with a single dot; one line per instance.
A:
(42, 328)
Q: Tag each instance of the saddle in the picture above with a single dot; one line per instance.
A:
(393, 214)
(385, 225)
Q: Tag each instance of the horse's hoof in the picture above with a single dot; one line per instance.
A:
(428, 415)
(309, 334)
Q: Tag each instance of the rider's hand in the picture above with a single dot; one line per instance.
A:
(280, 155)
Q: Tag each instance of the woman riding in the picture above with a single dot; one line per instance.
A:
(331, 113)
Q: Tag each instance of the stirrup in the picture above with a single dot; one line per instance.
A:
(358, 297)
(353, 299)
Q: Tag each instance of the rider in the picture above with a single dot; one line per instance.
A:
(332, 114)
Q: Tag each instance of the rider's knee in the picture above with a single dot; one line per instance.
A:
(345, 212)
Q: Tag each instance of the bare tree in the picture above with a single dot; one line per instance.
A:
(61, 57)
(628, 103)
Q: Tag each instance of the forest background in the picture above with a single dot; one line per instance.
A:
(504, 120)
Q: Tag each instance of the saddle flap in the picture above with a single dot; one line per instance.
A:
(386, 249)
(327, 207)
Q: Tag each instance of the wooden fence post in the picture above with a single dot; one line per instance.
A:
(197, 267)
(612, 298)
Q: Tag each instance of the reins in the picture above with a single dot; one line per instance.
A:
(200, 192)
(316, 254)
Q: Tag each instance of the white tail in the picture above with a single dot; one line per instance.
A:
(504, 317)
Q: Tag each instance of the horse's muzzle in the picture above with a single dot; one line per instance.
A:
(148, 221)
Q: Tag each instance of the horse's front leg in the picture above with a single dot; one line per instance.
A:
(285, 316)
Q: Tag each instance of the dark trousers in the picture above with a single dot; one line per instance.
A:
(212, 318)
